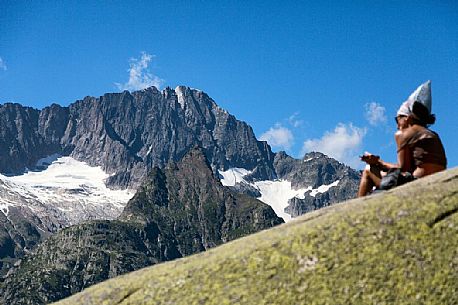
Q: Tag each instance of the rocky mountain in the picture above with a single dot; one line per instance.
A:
(37, 204)
(301, 186)
(313, 171)
(398, 247)
(127, 134)
(20, 231)
(204, 212)
(179, 210)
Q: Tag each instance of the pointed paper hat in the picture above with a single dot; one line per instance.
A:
(421, 95)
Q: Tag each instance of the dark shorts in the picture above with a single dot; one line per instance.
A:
(394, 178)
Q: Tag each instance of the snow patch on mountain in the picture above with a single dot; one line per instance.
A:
(43, 162)
(310, 159)
(274, 193)
(4, 207)
(323, 188)
(233, 176)
(74, 188)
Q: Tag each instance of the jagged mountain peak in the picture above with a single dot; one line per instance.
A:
(188, 185)
(130, 134)
(307, 156)
(170, 143)
(193, 169)
(127, 134)
(194, 159)
(315, 154)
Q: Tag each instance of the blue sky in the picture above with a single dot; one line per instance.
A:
(305, 75)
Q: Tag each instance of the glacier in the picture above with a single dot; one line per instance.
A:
(67, 187)
(275, 193)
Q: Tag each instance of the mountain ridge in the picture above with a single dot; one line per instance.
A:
(131, 133)
(127, 134)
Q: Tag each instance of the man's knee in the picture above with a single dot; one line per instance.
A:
(366, 172)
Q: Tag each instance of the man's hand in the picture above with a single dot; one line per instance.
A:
(370, 158)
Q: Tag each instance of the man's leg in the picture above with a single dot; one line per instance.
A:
(371, 177)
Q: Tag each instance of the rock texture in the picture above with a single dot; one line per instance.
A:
(128, 134)
(189, 202)
(75, 258)
(314, 170)
(180, 210)
(398, 247)
(21, 143)
(20, 232)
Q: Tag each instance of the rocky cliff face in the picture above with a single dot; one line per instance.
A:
(180, 210)
(315, 170)
(75, 258)
(127, 134)
(189, 203)
(21, 143)
(20, 232)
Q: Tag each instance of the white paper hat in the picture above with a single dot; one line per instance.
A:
(421, 95)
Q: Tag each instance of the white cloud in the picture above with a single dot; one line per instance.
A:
(278, 136)
(375, 113)
(139, 75)
(343, 144)
(294, 121)
(2, 65)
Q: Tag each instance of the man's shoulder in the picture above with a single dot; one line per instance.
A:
(404, 135)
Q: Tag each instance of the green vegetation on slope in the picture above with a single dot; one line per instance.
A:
(399, 247)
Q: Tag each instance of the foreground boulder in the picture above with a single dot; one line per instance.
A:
(399, 247)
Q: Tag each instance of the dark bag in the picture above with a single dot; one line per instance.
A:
(393, 178)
